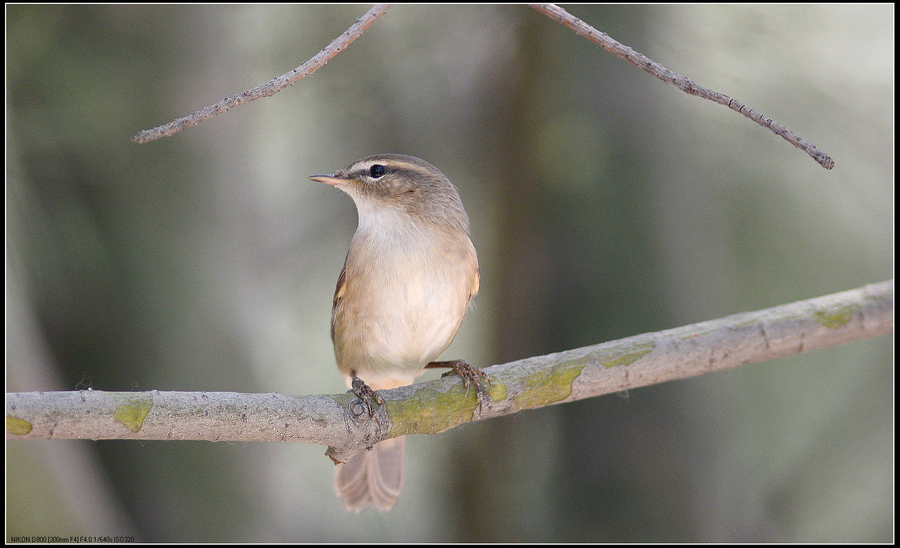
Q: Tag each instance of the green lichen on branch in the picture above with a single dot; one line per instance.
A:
(837, 317)
(16, 426)
(131, 410)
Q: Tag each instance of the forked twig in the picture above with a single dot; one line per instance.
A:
(685, 84)
(551, 10)
(271, 87)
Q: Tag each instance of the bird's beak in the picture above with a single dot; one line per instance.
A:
(330, 180)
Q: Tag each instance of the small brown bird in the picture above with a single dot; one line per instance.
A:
(407, 282)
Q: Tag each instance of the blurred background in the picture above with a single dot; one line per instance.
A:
(604, 204)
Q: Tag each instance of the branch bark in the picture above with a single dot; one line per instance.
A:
(342, 423)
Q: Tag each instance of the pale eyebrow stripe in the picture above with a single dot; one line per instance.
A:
(393, 164)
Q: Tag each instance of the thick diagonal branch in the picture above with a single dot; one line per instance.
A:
(435, 406)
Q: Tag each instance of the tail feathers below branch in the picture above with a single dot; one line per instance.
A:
(372, 478)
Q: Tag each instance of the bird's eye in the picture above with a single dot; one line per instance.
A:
(376, 171)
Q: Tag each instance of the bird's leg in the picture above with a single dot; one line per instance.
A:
(469, 374)
(365, 393)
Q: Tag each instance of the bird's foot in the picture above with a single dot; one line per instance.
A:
(470, 375)
(366, 395)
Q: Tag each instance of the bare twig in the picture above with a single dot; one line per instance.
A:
(685, 84)
(271, 87)
(551, 10)
(430, 407)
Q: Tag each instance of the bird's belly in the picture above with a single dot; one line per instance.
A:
(410, 325)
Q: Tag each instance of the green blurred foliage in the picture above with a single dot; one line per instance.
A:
(603, 204)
